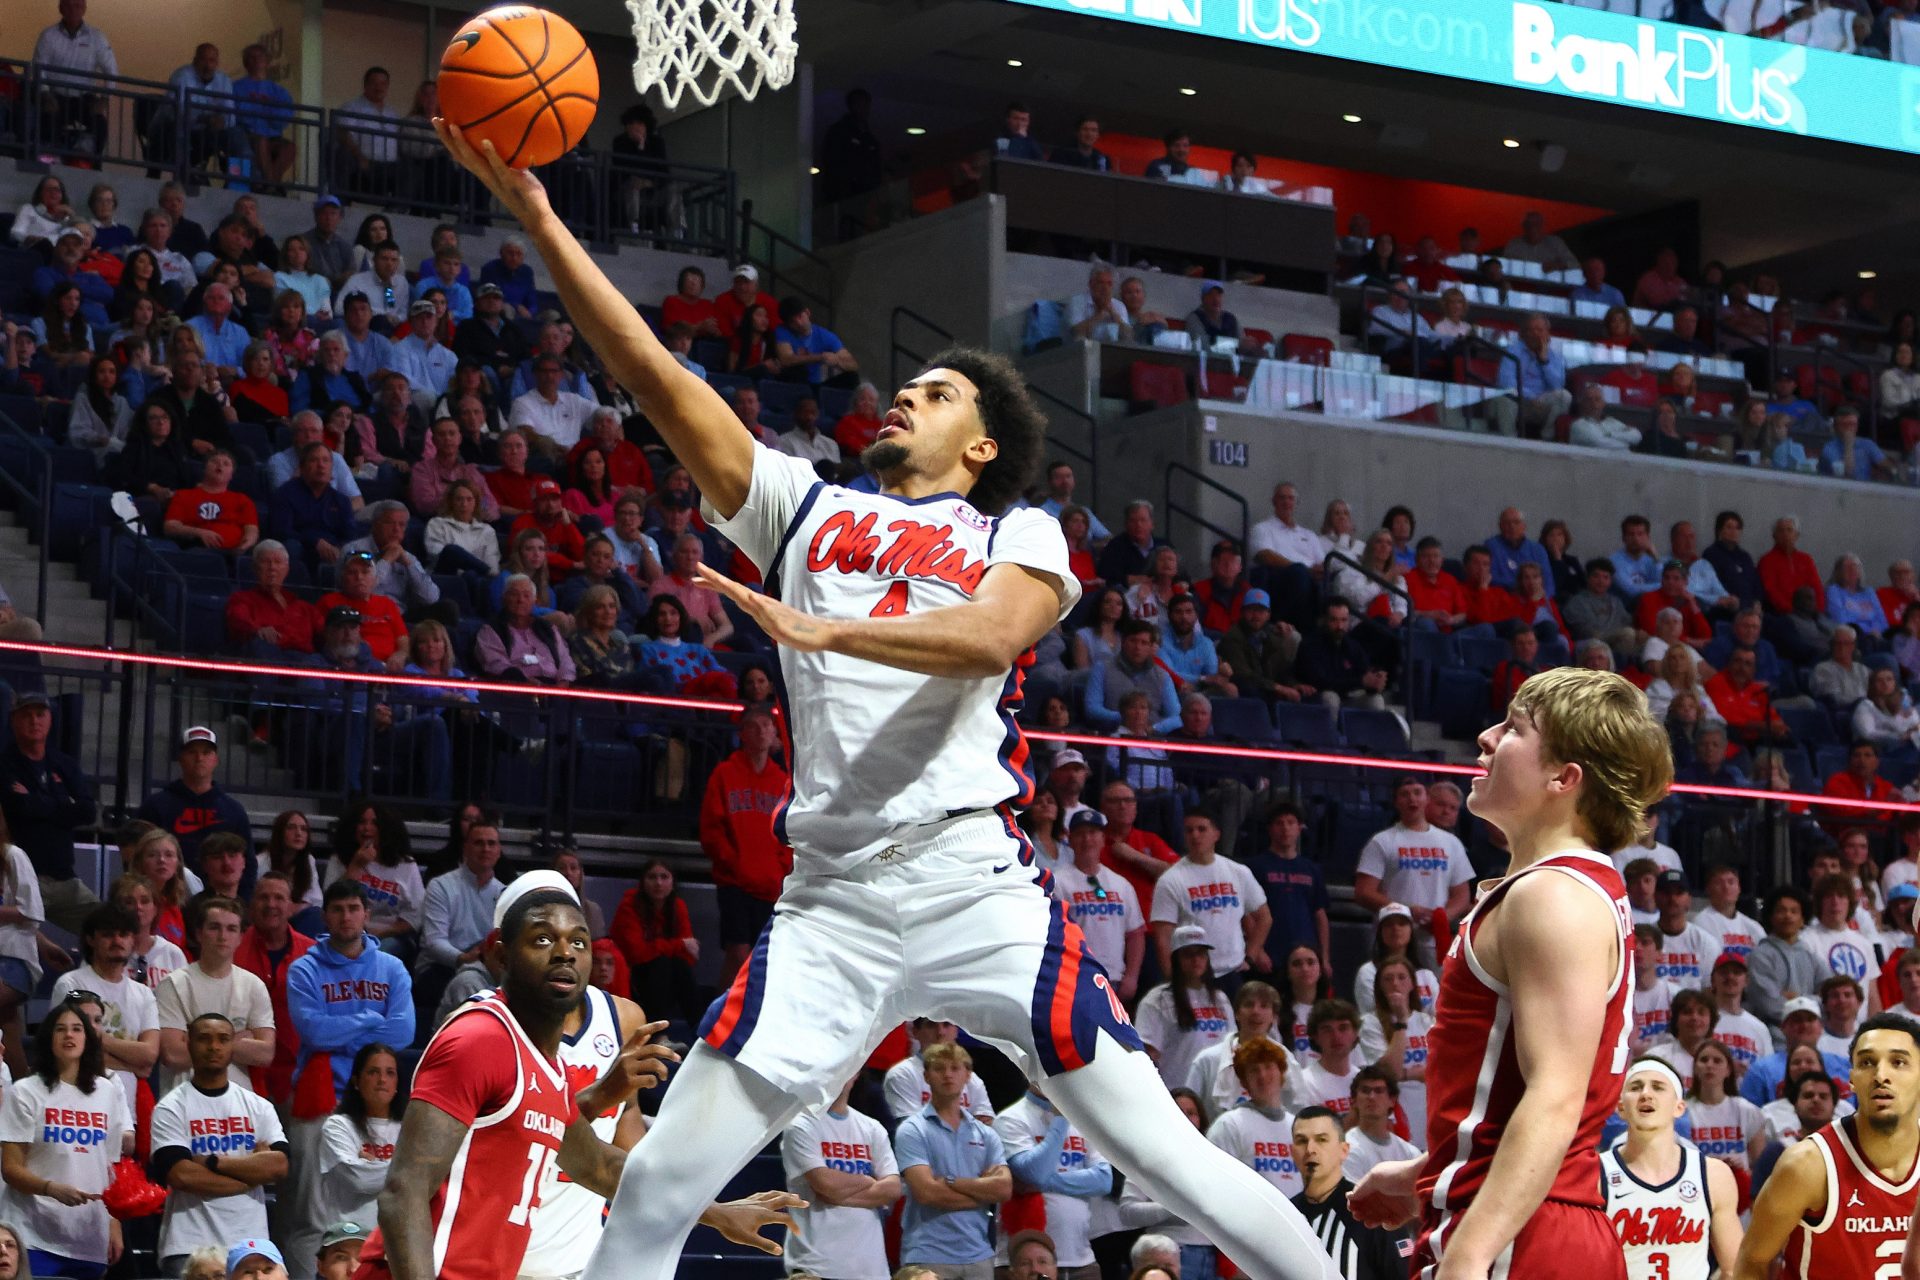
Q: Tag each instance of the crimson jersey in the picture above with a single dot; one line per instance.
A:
(1473, 1071)
(1863, 1230)
(481, 1069)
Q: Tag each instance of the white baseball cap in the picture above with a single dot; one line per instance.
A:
(747, 271)
(1190, 935)
(531, 882)
(1068, 756)
(1393, 909)
(1800, 1004)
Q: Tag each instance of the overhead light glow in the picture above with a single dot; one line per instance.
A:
(1511, 144)
(1350, 118)
(1187, 91)
(1869, 275)
(814, 171)
(915, 131)
(1015, 62)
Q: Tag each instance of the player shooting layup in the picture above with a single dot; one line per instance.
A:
(905, 619)
(1529, 1041)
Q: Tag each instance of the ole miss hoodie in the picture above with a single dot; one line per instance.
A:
(339, 1006)
(736, 826)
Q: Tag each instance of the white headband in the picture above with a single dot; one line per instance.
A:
(1655, 1064)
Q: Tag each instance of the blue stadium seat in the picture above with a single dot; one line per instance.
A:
(724, 383)
(835, 402)
(606, 776)
(781, 396)
(1376, 731)
(72, 465)
(1246, 719)
(1483, 653)
(77, 510)
(1829, 760)
(24, 411)
(710, 354)
(1306, 724)
(1460, 702)
(1811, 727)
(1353, 826)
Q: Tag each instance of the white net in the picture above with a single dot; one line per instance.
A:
(708, 47)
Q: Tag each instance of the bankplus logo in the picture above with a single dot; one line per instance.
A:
(1179, 13)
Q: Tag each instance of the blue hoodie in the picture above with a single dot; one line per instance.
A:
(340, 1005)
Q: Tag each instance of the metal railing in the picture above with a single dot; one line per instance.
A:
(803, 272)
(197, 137)
(27, 478)
(1173, 509)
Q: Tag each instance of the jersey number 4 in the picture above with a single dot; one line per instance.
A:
(892, 604)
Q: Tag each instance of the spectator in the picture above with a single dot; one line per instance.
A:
(1260, 652)
(203, 412)
(1333, 664)
(1173, 164)
(1014, 142)
(1594, 428)
(1672, 595)
(491, 338)
(369, 133)
(1885, 717)
(860, 425)
(1511, 547)
(1799, 1026)
(1786, 400)
(46, 211)
(129, 1027)
(730, 309)
(1294, 886)
(1840, 680)
(1221, 897)
(654, 933)
(810, 353)
(69, 248)
(737, 836)
(511, 274)
(955, 1170)
(398, 574)
(351, 1157)
(194, 805)
(1412, 862)
(806, 441)
(1849, 456)
(519, 647)
(1734, 932)
(45, 798)
(1743, 701)
(213, 984)
(422, 358)
(215, 1148)
(1212, 319)
(1780, 966)
(1593, 287)
(1327, 1079)
(602, 569)
(1048, 1157)
(371, 847)
(1537, 375)
(552, 417)
(1729, 560)
(841, 1161)
(378, 618)
(329, 380)
(1034, 1257)
(1487, 606)
(701, 604)
(627, 468)
(308, 513)
(1661, 285)
(63, 1128)
(1851, 602)
(446, 279)
(1125, 559)
(1598, 614)
(1536, 244)
(1636, 570)
(905, 1087)
(1190, 656)
(1395, 329)
(1438, 600)
(1084, 153)
(430, 480)
(1686, 950)
(1133, 669)
(210, 514)
(1143, 323)
(459, 906)
(689, 305)
(267, 949)
(1104, 907)
(1861, 780)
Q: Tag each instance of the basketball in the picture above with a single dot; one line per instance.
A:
(523, 79)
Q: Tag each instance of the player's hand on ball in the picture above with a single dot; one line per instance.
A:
(1385, 1197)
(517, 189)
(783, 624)
(742, 1221)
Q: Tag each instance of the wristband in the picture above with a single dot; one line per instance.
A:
(213, 1163)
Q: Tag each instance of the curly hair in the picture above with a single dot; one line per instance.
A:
(1011, 419)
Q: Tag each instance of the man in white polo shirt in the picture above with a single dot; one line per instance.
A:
(1102, 903)
(1218, 894)
(1414, 862)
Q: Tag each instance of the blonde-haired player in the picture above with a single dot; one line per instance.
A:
(1530, 1041)
(1668, 1204)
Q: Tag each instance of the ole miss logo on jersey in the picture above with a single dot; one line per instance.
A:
(908, 548)
(1652, 1225)
(71, 1128)
(1275, 1157)
(847, 1157)
(1204, 899)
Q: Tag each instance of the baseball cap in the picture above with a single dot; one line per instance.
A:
(1729, 958)
(1899, 893)
(1256, 599)
(1190, 935)
(248, 1248)
(420, 306)
(1800, 1004)
(343, 615)
(70, 233)
(1086, 818)
(747, 271)
(1392, 909)
(531, 882)
(488, 291)
(199, 733)
(341, 1232)
(324, 201)
(1069, 756)
(1208, 286)
(40, 701)
(544, 487)
(1670, 880)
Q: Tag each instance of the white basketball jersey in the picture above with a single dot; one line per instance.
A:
(566, 1226)
(878, 751)
(1663, 1230)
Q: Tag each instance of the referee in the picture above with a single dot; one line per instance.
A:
(1361, 1253)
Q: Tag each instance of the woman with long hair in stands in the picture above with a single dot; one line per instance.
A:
(1184, 1015)
(370, 844)
(1714, 1105)
(315, 291)
(153, 957)
(156, 855)
(1886, 717)
(1566, 576)
(65, 336)
(688, 666)
(1382, 264)
(42, 216)
(1150, 600)
(1045, 832)
(1307, 983)
(1360, 590)
(1679, 669)
(1077, 524)
(1393, 1035)
(140, 278)
(603, 656)
(750, 348)
(457, 539)
(139, 344)
(55, 1176)
(654, 933)
(1617, 331)
(588, 491)
(1393, 940)
(528, 556)
(101, 416)
(375, 229)
(1099, 640)
(355, 1149)
(293, 343)
(258, 394)
(289, 851)
(1906, 642)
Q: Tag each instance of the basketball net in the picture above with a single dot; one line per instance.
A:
(706, 47)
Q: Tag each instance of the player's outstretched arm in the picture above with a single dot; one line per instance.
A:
(1796, 1188)
(1724, 1230)
(1013, 607)
(422, 1158)
(1556, 944)
(696, 423)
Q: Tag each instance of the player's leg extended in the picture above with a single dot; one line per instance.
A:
(800, 1017)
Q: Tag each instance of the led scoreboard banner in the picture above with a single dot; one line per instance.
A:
(1572, 52)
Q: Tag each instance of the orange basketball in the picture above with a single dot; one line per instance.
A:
(522, 78)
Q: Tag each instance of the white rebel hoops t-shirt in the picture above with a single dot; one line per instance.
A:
(131, 1011)
(905, 1089)
(1104, 906)
(1416, 868)
(1024, 1126)
(1216, 896)
(1158, 1023)
(878, 751)
(1724, 1128)
(71, 1137)
(192, 1124)
(351, 1168)
(833, 1240)
(1262, 1142)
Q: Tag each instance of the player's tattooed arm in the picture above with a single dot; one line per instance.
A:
(422, 1158)
(590, 1162)
(1013, 607)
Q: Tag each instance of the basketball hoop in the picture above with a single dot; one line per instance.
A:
(706, 47)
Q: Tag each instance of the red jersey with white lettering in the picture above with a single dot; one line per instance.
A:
(481, 1069)
(1473, 1069)
(1664, 1229)
(1863, 1229)
(878, 752)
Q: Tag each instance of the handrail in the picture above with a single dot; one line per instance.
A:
(1334, 553)
(144, 610)
(822, 303)
(42, 495)
(1171, 508)
(1412, 334)
(1871, 408)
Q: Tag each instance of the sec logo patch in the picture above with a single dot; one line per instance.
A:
(604, 1046)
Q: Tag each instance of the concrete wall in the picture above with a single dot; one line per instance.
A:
(1457, 483)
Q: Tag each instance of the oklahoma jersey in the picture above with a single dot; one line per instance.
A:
(1474, 1081)
(1665, 1230)
(1864, 1227)
(566, 1226)
(481, 1069)
(878, 751)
